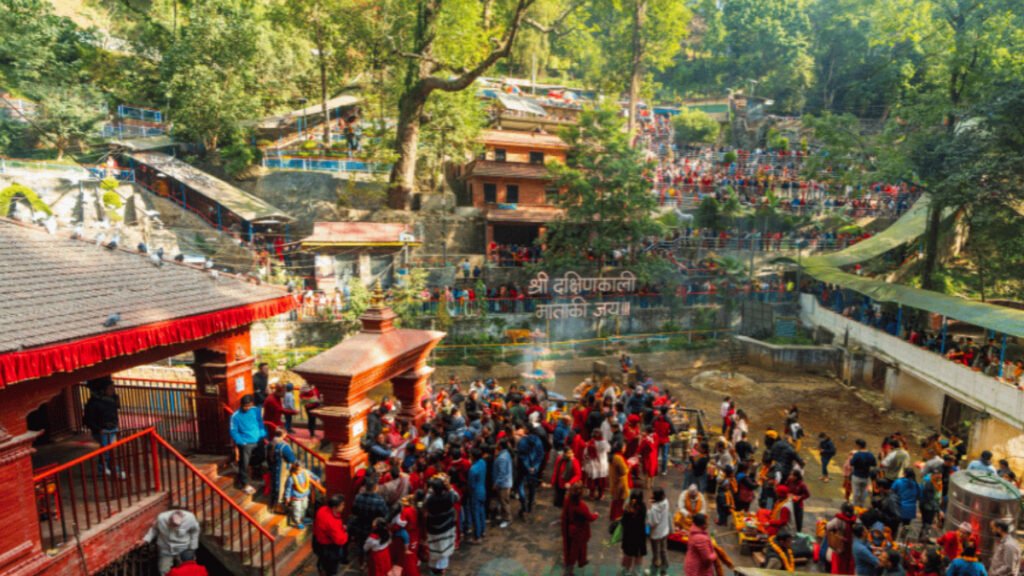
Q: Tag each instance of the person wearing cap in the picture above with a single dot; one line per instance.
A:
(778, 554)
(1005, 550)
(983, 464)
(691, 502)
(782, 515)
(246, 431)
(174, 532)
(700, 552)
(188, 566)
(954, 542)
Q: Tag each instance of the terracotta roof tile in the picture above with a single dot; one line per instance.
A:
(359, 233)
(493, 169)
(57, 289)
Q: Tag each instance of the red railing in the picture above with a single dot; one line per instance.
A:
(98, 486)
(175, 409)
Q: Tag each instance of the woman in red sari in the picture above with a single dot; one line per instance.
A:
(576, 519)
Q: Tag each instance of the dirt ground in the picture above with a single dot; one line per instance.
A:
(533, 548)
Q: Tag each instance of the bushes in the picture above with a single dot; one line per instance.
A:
(8, 194)
(694, 127)
(238, 157)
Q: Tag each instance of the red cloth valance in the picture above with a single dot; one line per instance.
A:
(70, 356)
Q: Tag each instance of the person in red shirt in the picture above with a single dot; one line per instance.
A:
(273, 410)
(188, 566)
(649, 457)
(329, 536)
(377, 548)
(663, 430)
(954, 541)
(567, 472)
(405, 546)
(576, 520)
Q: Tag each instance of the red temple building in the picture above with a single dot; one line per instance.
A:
(511, 182)
(346, 374)
(76, 312)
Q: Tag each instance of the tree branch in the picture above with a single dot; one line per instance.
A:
(551, 28)
(463, 80)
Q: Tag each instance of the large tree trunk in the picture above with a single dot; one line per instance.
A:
(403, 173)
(636, 75)
(323, 96)
(931, 246)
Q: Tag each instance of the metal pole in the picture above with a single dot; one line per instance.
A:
(942, 344)
(1002, 356)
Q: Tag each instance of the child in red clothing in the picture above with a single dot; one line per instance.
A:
(376, 547)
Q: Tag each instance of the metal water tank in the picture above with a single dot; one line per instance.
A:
(978, 498)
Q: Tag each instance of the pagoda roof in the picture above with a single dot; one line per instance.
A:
(371, 351)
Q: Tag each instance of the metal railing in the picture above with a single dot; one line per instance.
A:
(309, 458)
(324, 164)
(171, 408)
(107, 482)
(8, 165)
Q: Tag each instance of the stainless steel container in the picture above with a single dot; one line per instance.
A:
(978, 498)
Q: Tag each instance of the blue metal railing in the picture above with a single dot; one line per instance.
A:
(325, 165)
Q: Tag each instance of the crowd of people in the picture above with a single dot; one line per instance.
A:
(760, 175)
(986, 355)
(485, 455)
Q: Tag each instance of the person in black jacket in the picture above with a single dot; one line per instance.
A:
(101, 418)
(827, 450)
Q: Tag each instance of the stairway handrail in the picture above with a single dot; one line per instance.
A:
(89, 456)
(209, 483)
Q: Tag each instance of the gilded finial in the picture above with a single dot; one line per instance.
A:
(377, 298)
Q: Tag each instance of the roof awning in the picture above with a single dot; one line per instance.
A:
(524, 215)
(520, 104)
(246, 206)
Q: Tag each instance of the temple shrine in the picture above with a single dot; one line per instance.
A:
(346, 373)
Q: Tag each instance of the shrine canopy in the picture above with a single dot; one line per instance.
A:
(377, 353)
(71, 304)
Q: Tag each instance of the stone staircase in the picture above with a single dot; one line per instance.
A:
(292, 548)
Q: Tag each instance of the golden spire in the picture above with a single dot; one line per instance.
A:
(377, 297)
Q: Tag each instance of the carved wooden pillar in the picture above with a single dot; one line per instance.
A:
(223, 375)
(344, 427)
(410, 388)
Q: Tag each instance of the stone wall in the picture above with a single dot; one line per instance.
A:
(814, 359)
(585, 366)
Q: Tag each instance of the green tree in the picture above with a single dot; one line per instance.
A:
(66, 117)
(608, 204)
(996, 249)
(971, 48)
(637, 36)
(452, 123)
(709, 214)
(223, 69)
(693, 127)
(449, 46)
